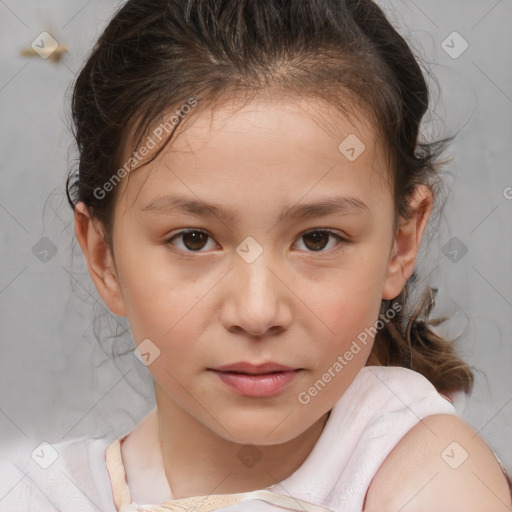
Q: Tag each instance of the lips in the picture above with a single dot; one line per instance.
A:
(254, 369)
(256, 380)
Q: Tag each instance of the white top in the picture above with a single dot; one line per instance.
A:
(378, 408)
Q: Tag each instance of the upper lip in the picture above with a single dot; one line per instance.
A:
(244, 367)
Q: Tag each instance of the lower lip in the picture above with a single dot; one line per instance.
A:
(257, 385)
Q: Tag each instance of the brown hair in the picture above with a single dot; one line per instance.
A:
(155, 55)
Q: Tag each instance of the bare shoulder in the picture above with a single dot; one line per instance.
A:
(440, 465)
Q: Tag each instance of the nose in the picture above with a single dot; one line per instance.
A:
(257, 301)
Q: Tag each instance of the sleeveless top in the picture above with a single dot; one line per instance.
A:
(374, 413)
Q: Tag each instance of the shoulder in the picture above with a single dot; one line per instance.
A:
(440, 464)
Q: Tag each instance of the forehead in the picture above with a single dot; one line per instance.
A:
(275, 147)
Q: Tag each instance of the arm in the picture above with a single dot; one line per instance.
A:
(440, 465)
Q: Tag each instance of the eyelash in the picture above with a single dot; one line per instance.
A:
(341, 240)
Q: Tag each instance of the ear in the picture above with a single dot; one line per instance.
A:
(91, 237)
(406, 243)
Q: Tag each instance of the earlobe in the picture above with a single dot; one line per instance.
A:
(91, 238)
(407, 241)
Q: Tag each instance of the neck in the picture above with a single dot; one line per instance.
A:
(199, 462)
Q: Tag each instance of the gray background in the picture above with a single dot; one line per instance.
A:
(57, 382)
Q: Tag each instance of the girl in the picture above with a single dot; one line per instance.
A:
(251, 194)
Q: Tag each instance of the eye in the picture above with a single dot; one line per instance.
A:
(317, 239)
(192, 240)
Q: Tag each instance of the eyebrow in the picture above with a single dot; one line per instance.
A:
(339, 205)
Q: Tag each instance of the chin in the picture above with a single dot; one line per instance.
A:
(261, 438)
(261, 430)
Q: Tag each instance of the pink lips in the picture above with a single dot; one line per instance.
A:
(262, 380)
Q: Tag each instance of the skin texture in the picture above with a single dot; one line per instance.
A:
(440, 465)
(293, 304)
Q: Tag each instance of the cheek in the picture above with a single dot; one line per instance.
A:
(156, 295)
(347, 294)
(162, 311)
(171, 312)
(345, 304)
(349, 319)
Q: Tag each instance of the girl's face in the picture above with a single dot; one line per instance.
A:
(288, 255)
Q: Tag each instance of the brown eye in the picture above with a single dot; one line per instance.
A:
(318, 239)
(193, 240)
